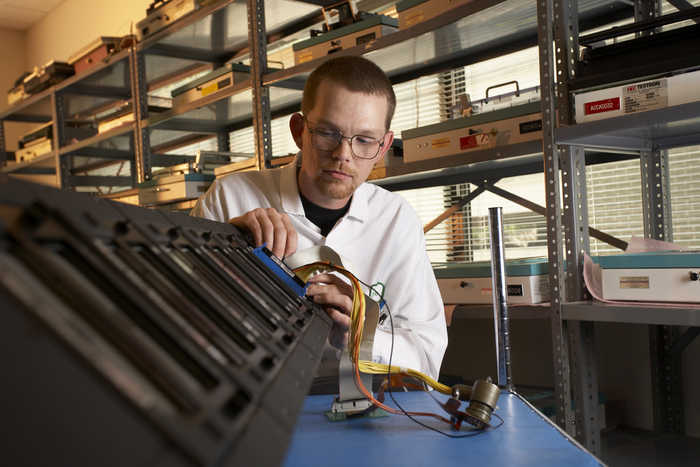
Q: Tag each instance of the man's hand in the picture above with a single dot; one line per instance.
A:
(335, 296)
(270, 227)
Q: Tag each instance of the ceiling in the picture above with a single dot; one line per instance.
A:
(20, 15)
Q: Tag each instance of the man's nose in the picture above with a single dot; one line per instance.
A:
(344, 149)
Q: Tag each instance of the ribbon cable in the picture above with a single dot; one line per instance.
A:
(347, 387)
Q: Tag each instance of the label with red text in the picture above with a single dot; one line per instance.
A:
(606, 105)
(474, 141)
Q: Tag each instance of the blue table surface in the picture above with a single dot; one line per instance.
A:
(524, 439)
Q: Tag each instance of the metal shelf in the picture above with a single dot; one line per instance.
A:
(628, 312)
(113, 73)
(215, 34)
(208, 114)
(36, 108)
(114, 144)
(443, 43)
(514, 312)
(111, 144)
(95, 88)
(213, 29)
(228, 109)
(42, 165)
(476, 166)
(665, 128)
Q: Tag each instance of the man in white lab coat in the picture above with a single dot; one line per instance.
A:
(322, 199)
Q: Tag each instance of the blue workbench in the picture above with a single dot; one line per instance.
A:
(524, 439)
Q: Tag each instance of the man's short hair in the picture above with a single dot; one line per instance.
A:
(356, 74)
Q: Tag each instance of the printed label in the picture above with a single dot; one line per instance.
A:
(515, 290)
(606, 105)
(441, 143)
(645, 96)
(216, 86)
(209, 89)
(306, 56)
(474, 141)
(542, 286)
(182, 9)
(415, 17)
(634, 282)
(366, 38)
(531, 127)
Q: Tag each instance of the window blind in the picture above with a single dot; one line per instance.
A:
(685, 185)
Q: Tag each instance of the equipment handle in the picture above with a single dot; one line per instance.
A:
(517, 89)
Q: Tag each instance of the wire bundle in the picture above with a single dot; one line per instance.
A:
(395, 375)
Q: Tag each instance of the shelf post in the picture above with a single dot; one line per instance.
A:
(257, 38)
(58, 116)
(573, 342)
(666, 381)
(643, 10)
(666, 376)
(565, 23)
(656, 195)
(584, 371)
(141, 168)
(223, 142)
(3, 151)
(545, 40)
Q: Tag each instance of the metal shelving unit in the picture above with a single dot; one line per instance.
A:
(647, 135)
(76, 100)
(218, 33)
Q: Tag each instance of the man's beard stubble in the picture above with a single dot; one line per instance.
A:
(333, 188)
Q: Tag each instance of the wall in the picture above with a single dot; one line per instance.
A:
(12, 65)
(76, 23)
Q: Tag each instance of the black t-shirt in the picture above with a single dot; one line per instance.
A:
(323, 218)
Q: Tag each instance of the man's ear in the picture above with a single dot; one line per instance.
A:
(388, 139)
(296, 126)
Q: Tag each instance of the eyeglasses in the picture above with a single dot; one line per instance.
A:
(362, 147)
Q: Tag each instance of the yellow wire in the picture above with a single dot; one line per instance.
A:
(358, 300)
(382, 369)
(357, 326)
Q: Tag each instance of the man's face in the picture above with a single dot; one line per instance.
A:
(329, 178)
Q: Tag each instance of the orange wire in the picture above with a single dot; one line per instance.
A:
(356, 334)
